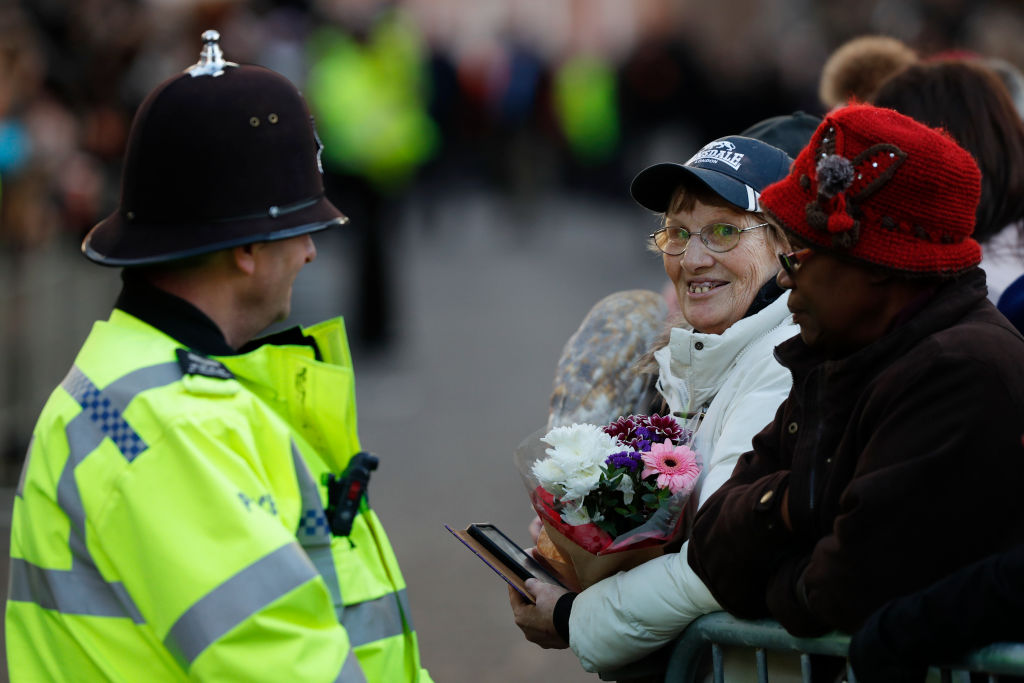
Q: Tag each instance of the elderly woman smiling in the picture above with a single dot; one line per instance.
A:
(722, 258)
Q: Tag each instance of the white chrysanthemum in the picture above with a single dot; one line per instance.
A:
(578, 451)
(549, 475)
(580, 442)
(575, 515)
(580, 482)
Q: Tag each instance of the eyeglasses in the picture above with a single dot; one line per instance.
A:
(718, 237)
(792, 261)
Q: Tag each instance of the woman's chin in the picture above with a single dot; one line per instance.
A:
(706, 325)
(707, 319)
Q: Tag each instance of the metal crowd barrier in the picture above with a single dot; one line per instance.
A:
(686, 659)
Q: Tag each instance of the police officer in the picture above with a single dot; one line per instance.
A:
(170, 522)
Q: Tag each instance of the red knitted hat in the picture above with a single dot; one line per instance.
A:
(875, 186)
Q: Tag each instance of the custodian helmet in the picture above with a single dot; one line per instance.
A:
(218, 156)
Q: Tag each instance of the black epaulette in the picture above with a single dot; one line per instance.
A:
(193, 363)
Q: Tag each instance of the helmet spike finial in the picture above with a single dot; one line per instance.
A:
(211, 59)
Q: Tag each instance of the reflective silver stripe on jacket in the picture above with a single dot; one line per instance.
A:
(73, 591)
(82, 590)
(20, 490)
(232, 602)
(102, 417)
(314, 533)
(367, 621)
(351, 672)
(373, 620)
(104, 409)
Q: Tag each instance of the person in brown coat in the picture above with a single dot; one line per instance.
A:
(897, 457)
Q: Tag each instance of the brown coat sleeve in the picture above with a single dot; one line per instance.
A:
(935, 486)
(738, 538)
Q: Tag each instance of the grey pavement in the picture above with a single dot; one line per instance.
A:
(488, 291)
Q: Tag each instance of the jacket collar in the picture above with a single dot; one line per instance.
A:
(172, 315)
(693, 366)
(951, 301)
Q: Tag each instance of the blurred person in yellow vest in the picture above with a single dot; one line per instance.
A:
(193, 503)
(368, 88)
(585, 94)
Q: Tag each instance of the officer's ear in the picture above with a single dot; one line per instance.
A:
(245, 257)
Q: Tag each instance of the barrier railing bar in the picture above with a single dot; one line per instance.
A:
(720, 629)
(717, 663)
(805, 667)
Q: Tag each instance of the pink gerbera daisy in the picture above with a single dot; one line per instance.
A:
(676, 466)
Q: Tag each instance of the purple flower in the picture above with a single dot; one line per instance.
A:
(638, 432)
(628, 460)
(637, 444)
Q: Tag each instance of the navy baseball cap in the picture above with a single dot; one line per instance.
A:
(789, 132)
(736, 168)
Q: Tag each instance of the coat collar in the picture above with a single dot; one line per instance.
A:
(693, 366)
(951, 301)
(172, 315)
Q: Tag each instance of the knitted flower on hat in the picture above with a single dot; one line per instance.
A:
(844, 184)
(879, 187)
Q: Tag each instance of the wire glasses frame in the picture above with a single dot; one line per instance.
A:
(792, 261)
(717, 237)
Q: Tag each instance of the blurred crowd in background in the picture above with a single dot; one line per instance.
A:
(520, 96)
(424, 98)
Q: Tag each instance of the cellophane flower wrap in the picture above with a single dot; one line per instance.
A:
(610, 496)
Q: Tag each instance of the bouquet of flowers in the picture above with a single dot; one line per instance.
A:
(610, 497)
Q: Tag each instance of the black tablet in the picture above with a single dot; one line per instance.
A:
(511, 555)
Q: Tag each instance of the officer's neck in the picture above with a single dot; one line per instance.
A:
(201, 310)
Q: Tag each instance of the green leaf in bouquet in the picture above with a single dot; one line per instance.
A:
(607, 525)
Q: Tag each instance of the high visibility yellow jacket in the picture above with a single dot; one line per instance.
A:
(169, 524)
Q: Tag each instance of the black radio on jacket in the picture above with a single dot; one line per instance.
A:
(345, 492)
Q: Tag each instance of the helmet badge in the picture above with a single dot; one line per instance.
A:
(319, 147)
(211, 59)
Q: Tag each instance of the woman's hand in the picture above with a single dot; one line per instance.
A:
(536, 526)
(537, 621)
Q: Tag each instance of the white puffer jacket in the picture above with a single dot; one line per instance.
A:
(736, 377)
